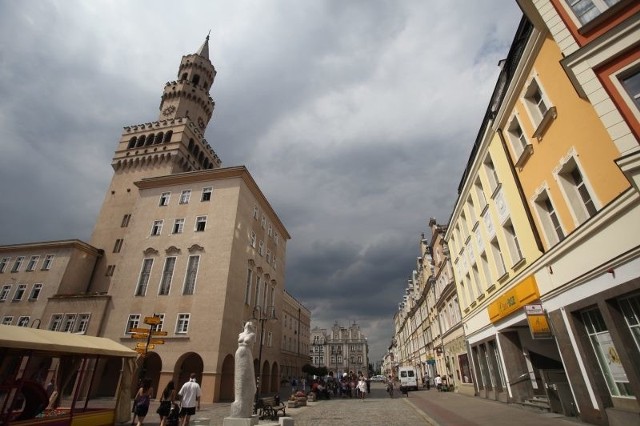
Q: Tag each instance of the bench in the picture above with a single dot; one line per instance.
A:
(269, 408)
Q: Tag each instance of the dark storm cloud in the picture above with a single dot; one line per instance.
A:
(356, 119)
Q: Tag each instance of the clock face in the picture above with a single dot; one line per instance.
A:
(169, 110)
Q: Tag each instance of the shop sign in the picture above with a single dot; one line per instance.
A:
(538, 322)
(526, 291)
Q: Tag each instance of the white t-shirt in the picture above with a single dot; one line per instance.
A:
(189, 394)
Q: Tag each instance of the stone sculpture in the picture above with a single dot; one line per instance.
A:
(245, 384)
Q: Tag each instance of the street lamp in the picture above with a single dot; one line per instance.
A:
(261, 316)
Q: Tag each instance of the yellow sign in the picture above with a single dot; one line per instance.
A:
(538, 322)
(152, 320)
(157, 341)
(511, 300)
(141, 351)
(139, 330)
(139, 336)
(159, 333)
(141, 345)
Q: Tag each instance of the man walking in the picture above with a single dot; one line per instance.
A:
(189, 398)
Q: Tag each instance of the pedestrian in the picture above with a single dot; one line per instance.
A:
(189, 399)
(427, 381)
(142, 400)
(438, 382)
(390, 386)
(362, 387)
(166, 401)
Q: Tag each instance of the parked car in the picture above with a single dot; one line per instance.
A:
(377, 378)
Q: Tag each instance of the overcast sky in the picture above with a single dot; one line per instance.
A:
(356, 119)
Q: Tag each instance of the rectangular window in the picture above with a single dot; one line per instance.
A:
(512, 243)
(492, 175)
(518, 141)
(23, 321)
(182, 325)
(192, 273)
(482, 200)
(19, 292)
(132, 322)
(201, 223)
(576, 191)
(167, 275)
(185, 196)
(4, 293)
(261, 248)
(252, 239)
(263, 222)
(17, 264)
(549, 218)
(206, 194)
(606, 353)
(7, 320)
(256, 292)
(247, 291)
(476, 278)
(82, 323)
(47, 263)
(160, 325)
(156, 229)
(55, 322)
(586, 10)
(539, 108)
(68, 323)
(164, 198)
(630, 307)
(178, 226)
(631, 83)
(497, 257)
(125, 220)
(117, 246)
(33, 262)
(143, 281)
(270, 230)
(35, 292)
(110, 270)
(256, 212)
(3, 264)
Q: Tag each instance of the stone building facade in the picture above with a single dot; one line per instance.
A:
(340, 349)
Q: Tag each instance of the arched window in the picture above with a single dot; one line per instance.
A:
(196, 79)
(201, 158)
(149, 139)
(206, 163)
(140, 141)
(190, 147)
(184, 76)
(196, 151)
(158, 138)
(132, 142)
(167, 137)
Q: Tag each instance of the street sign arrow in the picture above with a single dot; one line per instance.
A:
(159, 333)
(157, 341)
(141, 345)
(139, 330)
(152, 320)
(139, 336)
(141, 351)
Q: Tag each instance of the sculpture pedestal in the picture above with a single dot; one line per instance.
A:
(234, 421)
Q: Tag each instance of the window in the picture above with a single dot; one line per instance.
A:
(178, 226)
(606, 353)
(587, 10)
(160, 325)
(7, 320)
(185, 196)
(256, 294)
(33, 261)
(539, 108)
(125, 221)
(268, 257)
(141, 289)
(83, 323)
(476, 278)
(247, 291)
(550, 222)
(206, 194)
(48, 261)
(110, 270)
(164, 198)
(201, 223)
(35, 292)
(68, 322)
(631, 83)
(167, 275)
(23, 321)
(521, 147)
(270, 230)
(117, 246)
(497, 257)
(492, 176)
(263, 222)
(3, 264)
(55, 322)
(482, 200)
(512, 243)
(156, 229)
(630, 307)
(19, 292)
(17, 264)
(132, 322)
(252, 239)
(192, 273)
(576, 191)
(4, 293)
(182, 325)
(256, 212)
(261, 248)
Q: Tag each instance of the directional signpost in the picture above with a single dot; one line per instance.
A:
(149, 335)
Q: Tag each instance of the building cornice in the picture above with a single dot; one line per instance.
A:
(50, 245)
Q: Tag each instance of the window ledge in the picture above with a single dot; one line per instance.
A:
(549, 116)
(503, 278)
(526, 153)
(496, 190)
(473, 304)
(519, 263)
(475, 226)
(491, 288)
(482, 296)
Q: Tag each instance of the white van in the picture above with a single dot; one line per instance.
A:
(408, 378)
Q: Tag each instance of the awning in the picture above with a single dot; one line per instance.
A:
(55, 341)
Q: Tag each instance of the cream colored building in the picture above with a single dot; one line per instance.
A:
(178, 238)
(340, 349)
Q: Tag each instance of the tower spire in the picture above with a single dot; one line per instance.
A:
(204, 49)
